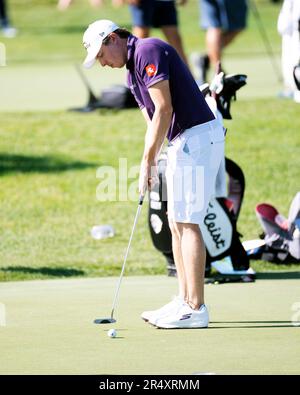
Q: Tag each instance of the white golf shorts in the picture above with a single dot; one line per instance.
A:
(193, 162)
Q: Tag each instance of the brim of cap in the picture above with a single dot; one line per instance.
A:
(91, 56)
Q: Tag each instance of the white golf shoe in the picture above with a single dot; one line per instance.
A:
(185, 318)
(167, 309)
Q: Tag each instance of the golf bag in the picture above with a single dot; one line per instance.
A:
(114, 97)
(117, 96)
(218, 229)
(225, 87)
(281, 235)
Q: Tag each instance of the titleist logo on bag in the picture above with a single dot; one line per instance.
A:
(216, 229)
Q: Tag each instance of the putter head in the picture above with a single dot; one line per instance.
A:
(104, 321)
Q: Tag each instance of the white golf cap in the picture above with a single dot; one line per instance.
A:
(93, 38)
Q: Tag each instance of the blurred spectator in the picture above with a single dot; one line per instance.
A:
(223, 20)
(162, 14)
(288, 27)
(64, 4)
(6, 29)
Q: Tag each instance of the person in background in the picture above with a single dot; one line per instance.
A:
(162, 14)
(6, 29)
(64, 4)
(222, 20)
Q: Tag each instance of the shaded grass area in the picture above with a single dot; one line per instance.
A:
(49, 205)
(41, 271)
(10, 163)
(48, 167)
(280, 275)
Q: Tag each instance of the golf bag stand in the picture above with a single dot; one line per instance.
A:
(281, 235)
(222, 215)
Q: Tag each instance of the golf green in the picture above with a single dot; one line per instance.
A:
(46, 327)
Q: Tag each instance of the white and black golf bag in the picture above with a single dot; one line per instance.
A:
(281, 235)
(218, 229)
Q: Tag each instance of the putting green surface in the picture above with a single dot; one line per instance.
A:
(48, 328)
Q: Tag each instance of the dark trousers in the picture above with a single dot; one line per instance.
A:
(3, 14)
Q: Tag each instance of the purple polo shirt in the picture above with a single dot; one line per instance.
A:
(151, 60)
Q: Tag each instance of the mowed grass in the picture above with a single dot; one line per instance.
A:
(48, 174)
(48, 165)
(49, 160)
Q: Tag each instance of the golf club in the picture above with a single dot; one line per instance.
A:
(265, 39)
(111, 319)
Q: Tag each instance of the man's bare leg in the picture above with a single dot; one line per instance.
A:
(174, 38)
(141, 31)
(194, 258)
(214, 45)
(190, 257)
(228, 37)
(171, 33)
(216, 41)
(176, 246)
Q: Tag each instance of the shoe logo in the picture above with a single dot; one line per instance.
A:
(185, 317)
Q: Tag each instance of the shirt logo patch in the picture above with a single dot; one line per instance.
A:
(151, 70)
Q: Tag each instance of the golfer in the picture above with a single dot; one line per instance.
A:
(173, 107)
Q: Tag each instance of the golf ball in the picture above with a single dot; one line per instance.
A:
(112, 333)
